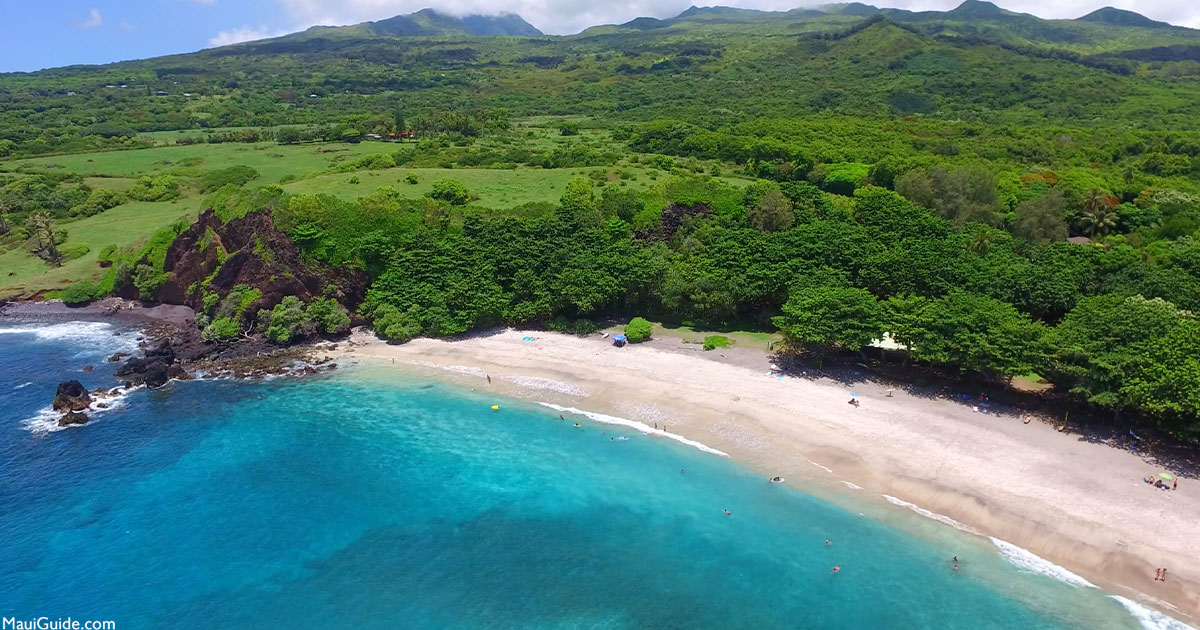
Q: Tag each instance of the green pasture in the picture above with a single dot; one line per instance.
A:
(496, 188)
(271, 160)
(127, 225)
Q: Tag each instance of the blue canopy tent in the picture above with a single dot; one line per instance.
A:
(619, 340)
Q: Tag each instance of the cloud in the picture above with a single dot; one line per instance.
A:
(94, 20)
(572, 16)
(242, 34)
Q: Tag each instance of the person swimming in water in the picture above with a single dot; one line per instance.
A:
(727, 512)
(836, 568)
(827, 543)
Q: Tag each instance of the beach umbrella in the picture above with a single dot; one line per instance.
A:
(1166, 476)
(855, 394)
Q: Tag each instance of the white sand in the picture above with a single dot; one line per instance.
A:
(1078, 504)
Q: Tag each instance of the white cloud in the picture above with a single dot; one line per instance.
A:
(93, 21)
(243, 34)
(572, 16)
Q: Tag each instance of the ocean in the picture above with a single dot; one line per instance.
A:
(370, 498)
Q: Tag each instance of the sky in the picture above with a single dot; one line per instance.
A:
(37, 34)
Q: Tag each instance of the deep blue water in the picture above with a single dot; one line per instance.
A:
(366, 499)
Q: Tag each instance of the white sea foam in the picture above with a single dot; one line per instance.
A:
(1149, 618)
(633, 424)
(534, 382)
(459, 369)
(941, 518)
(851, 485)
(46, 420)
(1031, 562)
(825, 468)
(24, 385)
(91, 337)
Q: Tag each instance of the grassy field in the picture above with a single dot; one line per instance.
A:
(124, 226)
(496, 188)
(271, 160)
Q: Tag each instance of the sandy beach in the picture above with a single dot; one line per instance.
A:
(1079, 504)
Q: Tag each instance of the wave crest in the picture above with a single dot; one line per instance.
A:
(633, 424)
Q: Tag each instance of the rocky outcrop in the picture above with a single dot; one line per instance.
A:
(156, 375)
(73, 418)
(154, 368)
(215, 257)
(71, 396)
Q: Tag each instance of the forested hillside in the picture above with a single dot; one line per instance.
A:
(830, 175)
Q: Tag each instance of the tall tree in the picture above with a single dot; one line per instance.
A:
(823, 318)
(398, 118)
(45, 236)
(1099, 213)
(772, 213)
(976, 332)
(578, 204)
(1041, 219)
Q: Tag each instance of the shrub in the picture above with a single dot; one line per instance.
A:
(374, 161)
(287, 320)
(81, 293)
(220, 328)
(98, 201)
(71, 253)
(569, 129)
(411, 178)
(638, 330)
(147, 281)
(155, 188)
(395, 325)
(712, 342)
(584, 327)
(328, 316)
(451, 191)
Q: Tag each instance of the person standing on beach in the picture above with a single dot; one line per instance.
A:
(1157, 574)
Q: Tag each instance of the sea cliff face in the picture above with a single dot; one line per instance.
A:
(212, 257)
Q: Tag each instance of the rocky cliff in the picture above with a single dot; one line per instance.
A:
(212, 257)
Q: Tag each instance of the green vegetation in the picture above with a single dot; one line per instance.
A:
(451, 191)
(917, 174)
(638, 330)
(291, 319)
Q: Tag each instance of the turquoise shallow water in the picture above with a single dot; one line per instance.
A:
(369, 500)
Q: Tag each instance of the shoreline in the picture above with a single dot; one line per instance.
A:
(1056, 495)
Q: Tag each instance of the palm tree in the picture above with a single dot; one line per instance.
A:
(981, 244)
(1098, 214)
(43, 230)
